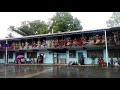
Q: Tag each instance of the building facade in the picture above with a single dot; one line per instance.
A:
(61, 48)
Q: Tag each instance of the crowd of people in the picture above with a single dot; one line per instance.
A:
(101, 62)
(114, 63)
(113, 38)
(80, 61)
(29, 60)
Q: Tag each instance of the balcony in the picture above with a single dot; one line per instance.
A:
(50, 46)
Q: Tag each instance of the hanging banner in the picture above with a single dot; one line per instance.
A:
(6, 45)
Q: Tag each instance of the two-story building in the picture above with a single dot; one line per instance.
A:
(64, 47)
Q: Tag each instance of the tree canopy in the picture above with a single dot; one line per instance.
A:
(114, 20)
(60, 22)
(64, 21)
(31, 28)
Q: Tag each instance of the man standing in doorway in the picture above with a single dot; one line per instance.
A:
(82, 60)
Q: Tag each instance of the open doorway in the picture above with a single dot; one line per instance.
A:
(80, 60)
(42, 57)
(59, 57)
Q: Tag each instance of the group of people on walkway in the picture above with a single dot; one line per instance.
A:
(80, 61)
(111, 64)
(29, 60)
(101, 62)
(114, 63)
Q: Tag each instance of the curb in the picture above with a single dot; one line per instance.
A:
(48, 65)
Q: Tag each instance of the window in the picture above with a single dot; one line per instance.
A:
(114, 53)
(10, 55)
(33, 54)
(72, 54)
(28, 54)
(1, 55)
(97, 53)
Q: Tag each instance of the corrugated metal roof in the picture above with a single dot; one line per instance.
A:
(62, 33)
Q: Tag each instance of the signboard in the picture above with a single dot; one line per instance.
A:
(6, 45)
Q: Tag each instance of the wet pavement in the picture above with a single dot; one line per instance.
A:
(22, 71)
(50, 71)
(81, 72)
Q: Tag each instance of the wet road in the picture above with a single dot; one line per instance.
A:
(16, 71)
(81, 72)
(44, 71)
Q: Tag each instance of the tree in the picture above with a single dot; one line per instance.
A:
(64, 21)
(31, 28)
(114, 20)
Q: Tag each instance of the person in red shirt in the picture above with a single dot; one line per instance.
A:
(34, 44)
(55, 43)
(64, 43)
(102, 63)
(19, 61)
(75, 43)
(80, 42)
(69, 42)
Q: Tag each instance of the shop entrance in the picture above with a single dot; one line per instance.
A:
(59, 57)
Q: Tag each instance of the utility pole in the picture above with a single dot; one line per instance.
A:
(6, 46)
(106, 48)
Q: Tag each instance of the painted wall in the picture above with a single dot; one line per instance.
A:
(87, 60)
(2, 60)
(48, 57)
(114, 59)
(76, 59)
(13, 59)
(62, 58)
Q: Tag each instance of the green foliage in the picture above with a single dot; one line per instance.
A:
(63, 21)
(31, 28)
(114, 20)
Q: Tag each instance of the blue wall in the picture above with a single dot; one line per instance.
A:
(48, 57)
(2, 60)
(76, 59)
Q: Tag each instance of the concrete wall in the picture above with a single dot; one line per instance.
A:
(2, 60)
(48, 57)
(76, 59)
(12, 60)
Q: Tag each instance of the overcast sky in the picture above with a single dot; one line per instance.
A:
(90, 20)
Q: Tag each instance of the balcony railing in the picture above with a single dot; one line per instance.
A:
(54, 45)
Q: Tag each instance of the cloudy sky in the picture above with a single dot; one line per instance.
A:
(90, 20)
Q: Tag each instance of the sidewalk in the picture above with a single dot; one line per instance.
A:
(50, 65)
